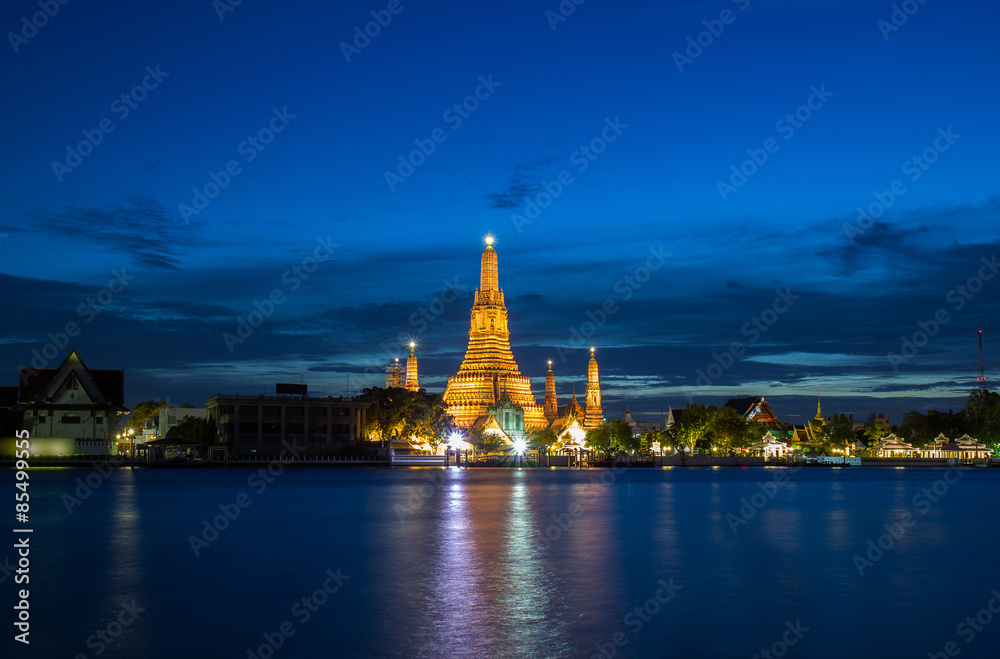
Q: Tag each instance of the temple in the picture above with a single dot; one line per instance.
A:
(489, 369)
(490, 394)
(412, 383)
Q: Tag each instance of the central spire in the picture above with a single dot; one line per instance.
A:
(488, 360)
(489, 279)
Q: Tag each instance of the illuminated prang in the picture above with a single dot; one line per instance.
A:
(489, 366)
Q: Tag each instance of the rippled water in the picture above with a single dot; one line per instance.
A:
(515, 563)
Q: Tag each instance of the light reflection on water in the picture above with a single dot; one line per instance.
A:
(516, 563)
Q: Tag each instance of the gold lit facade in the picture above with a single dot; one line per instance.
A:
(489, 370)
(594, 416)
(412, 381)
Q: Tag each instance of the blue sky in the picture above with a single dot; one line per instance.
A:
(832, 104)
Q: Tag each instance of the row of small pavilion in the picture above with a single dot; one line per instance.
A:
(891, 446)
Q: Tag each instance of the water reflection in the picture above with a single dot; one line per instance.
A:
(125, 541)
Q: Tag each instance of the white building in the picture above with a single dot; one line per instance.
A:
(72, 410)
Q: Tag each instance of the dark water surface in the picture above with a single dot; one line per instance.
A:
(514, 563)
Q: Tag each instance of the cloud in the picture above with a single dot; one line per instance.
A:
(142, 229)
(522, 184)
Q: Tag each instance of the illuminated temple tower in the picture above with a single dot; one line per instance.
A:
(393, 375)
(489, 368)
(411, 370)
(551, 402)
(594, 415)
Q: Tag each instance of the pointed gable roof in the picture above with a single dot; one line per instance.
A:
(103, 386)
(628, 416)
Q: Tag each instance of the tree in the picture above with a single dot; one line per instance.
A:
(982, 416)
(622, 439)
(693, 426)
(840, 431)
(199, 429)
(665, 439)
(728, 429)
(543, 439)
(486, 442)
(400, 413)
(599, 440)
(874, 433)
(431, 422)
(147, 409)
(915, 428)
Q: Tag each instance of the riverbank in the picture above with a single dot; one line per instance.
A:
(666, 461)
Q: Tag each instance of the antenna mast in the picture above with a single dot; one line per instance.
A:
(982, 375)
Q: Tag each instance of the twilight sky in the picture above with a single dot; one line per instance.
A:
(663, 178)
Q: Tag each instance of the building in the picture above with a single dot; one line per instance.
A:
(489, 378)
(268, 425)
(873, 419)
(891, 446)
(11, 419)
(489, 366)
(72, 409)
(171, 416)
(769, 446)
(394, 375)
(756, 408)
(593, 415)
(810, 434)
(551, 406)
(964, 448)
(412, 382)
(641, 427)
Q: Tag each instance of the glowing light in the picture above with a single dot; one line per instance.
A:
(520, 447)
(413, 344)
(489, 238)
(455, 441)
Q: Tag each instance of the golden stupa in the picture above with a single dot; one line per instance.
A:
(489, 370)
